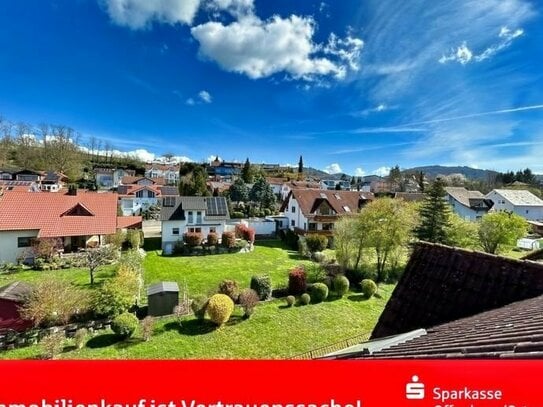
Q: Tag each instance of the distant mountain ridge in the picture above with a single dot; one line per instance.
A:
(432, 171)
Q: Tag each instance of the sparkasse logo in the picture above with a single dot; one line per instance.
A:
(414, 390)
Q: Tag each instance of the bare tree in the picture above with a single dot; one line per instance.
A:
(94, 258)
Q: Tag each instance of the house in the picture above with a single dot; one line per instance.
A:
(276, 185)
(290, 185)
(77, 219)
(335, 184)
(316, 211)
(218, 187)
(138, 194)
(53, 181)
(183, 214)
(222, 170)
(521, 202)
(455, 303)
(7, 174)
(469, 205)
(28, 175)
(169, 171)
(108, 178)
(12, 297)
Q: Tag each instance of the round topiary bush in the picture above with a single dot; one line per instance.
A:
(369, 288)
(263, 286)
(230, 288)
(248, 300)
(219, 308)
(341, 285)
(290, 300)
(319, 292)
(198, 306)
(319, 257)
(124, 325)
(305, 299)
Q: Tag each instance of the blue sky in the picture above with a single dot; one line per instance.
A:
(352, 86)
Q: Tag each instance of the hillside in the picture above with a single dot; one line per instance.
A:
(471, 173)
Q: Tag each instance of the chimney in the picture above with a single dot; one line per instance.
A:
(72, 190)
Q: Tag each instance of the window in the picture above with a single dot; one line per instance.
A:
(191, 217)
(139, 194)
(198, 217)
(305, 226)
(195, 230)
(292, 223)
(346, 208)
(527, 211)
(24, 241)
(312, 226)
(327, 226)
(168, 201)
(293, 209)
(175, 231)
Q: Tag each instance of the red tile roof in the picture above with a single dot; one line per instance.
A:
(310, 199)
(51, 213)
(129, 222)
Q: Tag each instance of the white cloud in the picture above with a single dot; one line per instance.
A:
(464, 55)
(359, 172)
(382, 171)
(237, 8)
(138, 14)
(379, 108)
(333, 169)
(190, 102)
(205, 96)
(259, 48)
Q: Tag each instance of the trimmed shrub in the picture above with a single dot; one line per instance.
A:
(341, 285)
(237, 215)
(279, 292)
(316, 273)
(212, 239)
(319, 257)
(248, 299)
(219, 308)
(117, 294)
(319, 292)
(297, 283)
(369, 288)
(228, 239)
(305, 299)
(316, 243)
(230, 288)
(290, 300)
(192, 239)
(147, 328)
(124, 325)
(80, 337)
(245, 232)
(302, 248)
(198, 306)
(52, 345)
(291, 239)
(263, 286)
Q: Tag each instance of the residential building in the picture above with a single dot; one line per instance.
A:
(183, 214)
(222, 170)
(28, 175)
(521, 202)
(169, 171)
(218, 187)
(335, 184)
(276, 184)
(78, 219)
(316, 211)
(109, 178)
(468, 305)
(290, 185)
(469, 205)
(138, 194)
(410, 196)
(53, 182)
(7, 173)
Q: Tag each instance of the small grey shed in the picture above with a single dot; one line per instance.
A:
(162, 298)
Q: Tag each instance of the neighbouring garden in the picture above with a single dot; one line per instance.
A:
(277, 328)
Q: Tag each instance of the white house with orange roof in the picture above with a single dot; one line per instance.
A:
(78, 219)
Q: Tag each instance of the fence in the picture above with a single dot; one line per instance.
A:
(334, 347)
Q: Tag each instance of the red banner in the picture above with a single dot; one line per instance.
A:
(270, 383)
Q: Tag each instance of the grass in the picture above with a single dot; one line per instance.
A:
(203, 274)
(274, 331)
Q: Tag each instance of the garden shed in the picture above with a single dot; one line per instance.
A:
(11, 298)
(162, 298)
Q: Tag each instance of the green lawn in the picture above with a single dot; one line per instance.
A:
(274, 331)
